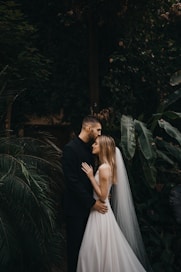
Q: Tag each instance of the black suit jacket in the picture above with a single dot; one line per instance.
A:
(78, 196)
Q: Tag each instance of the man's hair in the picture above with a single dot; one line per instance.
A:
(90, 119)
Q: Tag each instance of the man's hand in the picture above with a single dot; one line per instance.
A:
(100, 206)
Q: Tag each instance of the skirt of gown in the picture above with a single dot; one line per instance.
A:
(104, 247)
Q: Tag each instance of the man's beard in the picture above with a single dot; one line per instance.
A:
(91, 140)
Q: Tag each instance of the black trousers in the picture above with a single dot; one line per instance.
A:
(75, 227)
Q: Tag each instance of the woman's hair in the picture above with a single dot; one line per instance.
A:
(107, 153)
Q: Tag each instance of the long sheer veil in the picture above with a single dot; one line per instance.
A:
(124, 211)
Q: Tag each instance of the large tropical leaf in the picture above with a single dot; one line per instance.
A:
(169, 100)
(169, 114)
(172, 114)
(161, 155)
(171, 150)
(128, 142)
(172, 131)
(175, 78)
(149, 170)
(145, 140)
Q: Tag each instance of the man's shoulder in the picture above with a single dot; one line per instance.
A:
(72, 144)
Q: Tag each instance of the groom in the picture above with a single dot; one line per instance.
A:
(78, 197)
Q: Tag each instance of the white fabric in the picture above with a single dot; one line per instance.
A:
(104, 247)
(124, 211)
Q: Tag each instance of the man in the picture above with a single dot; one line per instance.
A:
(78, 198)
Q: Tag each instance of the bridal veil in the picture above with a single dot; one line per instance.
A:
(124, 211)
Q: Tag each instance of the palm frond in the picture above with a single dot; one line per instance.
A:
(9, 247)
(30, 170)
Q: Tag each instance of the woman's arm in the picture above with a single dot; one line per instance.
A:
(101, 189)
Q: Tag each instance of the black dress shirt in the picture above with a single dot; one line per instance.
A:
(78, 197)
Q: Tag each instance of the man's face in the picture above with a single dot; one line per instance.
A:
(95, 131)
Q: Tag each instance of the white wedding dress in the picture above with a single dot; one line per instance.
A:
(104, 247)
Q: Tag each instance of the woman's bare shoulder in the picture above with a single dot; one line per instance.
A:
(104, 166)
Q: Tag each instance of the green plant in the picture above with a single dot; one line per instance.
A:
(152, 151)
(30, 181)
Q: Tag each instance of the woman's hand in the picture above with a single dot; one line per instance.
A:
(87, 169)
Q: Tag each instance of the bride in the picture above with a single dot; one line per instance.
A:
(112, 242)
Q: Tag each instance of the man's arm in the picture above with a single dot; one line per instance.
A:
(100, 206)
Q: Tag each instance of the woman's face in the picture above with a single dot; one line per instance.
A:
(96, 147)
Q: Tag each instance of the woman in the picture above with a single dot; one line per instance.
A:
(106, 246)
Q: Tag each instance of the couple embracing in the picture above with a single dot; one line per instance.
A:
(100, 237)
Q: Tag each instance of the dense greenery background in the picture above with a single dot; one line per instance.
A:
(45, 68)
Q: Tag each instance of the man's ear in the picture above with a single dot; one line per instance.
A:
(88, 128)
